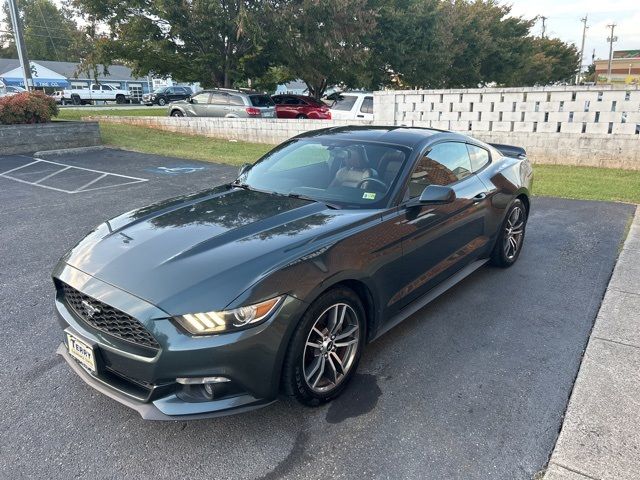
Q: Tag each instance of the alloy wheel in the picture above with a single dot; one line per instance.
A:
(513, 233)
(331, 348)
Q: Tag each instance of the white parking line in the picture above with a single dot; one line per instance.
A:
(64, 167)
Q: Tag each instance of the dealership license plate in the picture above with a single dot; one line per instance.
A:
(267, 114)
(82, 352)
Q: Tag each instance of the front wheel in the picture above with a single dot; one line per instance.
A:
(326, 348)
(301, 117)
(509, 242)
(120, 99)
(162, 102)
(177, 113)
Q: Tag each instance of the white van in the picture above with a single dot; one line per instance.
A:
(353, 106)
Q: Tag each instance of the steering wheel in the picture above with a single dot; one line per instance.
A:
(374, 180)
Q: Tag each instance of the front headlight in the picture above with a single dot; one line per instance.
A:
(210, 323)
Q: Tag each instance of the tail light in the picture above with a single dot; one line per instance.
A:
(253, 112)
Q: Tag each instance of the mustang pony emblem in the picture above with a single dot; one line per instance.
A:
(89, 310)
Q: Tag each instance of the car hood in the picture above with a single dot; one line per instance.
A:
(199, 252)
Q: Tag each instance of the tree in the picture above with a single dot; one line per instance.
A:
(550, 60)
(206, 41)
(49, 32)
(323, 42)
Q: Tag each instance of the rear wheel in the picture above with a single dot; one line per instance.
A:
(326, 348)
(509, 243)
(301, 117)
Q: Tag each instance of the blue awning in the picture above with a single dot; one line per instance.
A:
(37, 82)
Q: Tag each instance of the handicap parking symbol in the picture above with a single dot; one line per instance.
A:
(178, 170)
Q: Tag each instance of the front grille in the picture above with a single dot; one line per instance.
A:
(107, 319)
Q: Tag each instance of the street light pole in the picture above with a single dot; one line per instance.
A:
(20, 46)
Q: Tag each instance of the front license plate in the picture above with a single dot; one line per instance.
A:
(82, 352)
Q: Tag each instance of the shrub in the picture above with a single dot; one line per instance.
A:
(27, 107)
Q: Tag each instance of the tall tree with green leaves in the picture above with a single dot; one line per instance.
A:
(201, 40)
(49, 30)
(323, 42)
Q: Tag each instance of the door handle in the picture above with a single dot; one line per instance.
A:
(360, 116)
(479, 197)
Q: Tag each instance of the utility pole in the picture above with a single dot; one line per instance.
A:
(584, 34)
(20, 45)
(544, 26)
(611, 39)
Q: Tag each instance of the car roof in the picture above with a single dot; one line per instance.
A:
(398, 135)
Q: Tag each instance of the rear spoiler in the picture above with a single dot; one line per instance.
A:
(510, 150)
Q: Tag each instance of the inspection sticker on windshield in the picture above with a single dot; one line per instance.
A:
(369, 195)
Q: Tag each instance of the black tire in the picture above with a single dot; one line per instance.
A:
(301, 117)
(294, 382)
(75, 99)
(177, 113)
(162, 102)
(120, 99)
(504, 255)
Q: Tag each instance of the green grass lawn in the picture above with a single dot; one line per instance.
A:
(77, 113)
(588, 183)
(148, 140)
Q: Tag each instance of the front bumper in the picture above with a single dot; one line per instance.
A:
(145, 379)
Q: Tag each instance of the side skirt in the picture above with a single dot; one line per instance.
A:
(431, 295)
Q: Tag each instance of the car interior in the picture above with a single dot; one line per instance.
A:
(360, 173)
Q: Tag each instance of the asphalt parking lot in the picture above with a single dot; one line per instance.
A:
(472, 386)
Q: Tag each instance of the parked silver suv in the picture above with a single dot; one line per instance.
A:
(225, 103)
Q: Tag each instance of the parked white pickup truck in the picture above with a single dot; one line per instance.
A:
(83, 96)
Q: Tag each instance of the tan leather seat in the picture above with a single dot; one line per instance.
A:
(354, 171)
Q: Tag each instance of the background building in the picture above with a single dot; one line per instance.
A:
(50, 76)
(625, 68)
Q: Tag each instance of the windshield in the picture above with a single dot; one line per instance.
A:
(160, 90)
(346, 173)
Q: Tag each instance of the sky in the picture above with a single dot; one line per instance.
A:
(563, 21)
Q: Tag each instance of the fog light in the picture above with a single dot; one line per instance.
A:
(208, 389)
(201, 380)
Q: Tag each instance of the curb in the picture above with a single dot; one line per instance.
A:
(600, 438)
(66, 151)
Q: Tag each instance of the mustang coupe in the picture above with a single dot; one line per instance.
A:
(220, 301)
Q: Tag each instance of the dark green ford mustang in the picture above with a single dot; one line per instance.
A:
(219, 301)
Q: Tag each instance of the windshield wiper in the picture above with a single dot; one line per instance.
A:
(332, 206)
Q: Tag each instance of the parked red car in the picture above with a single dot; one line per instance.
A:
(300, 106)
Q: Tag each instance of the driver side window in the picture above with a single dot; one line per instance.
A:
(444, 164)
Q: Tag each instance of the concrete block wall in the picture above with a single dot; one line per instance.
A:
(272, 131)
(15, 139)
(534, 118)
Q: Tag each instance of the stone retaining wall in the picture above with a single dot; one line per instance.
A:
(15, 139)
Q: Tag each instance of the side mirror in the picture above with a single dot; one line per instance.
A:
(243, 168)
(436, 194)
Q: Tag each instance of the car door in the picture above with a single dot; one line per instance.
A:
(236, 106)
(218, 105)
(440, 239)
(199, 104)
